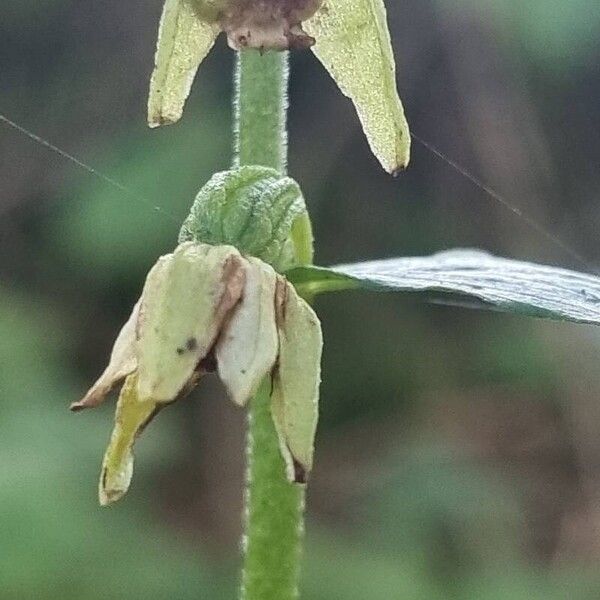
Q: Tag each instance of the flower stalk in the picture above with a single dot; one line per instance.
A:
(233, 297)
(260, 109)
(274, 507)
(220, 302)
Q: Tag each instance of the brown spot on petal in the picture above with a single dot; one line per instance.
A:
(93, 398)
(281, 292)
(234, 278)
(190, 345)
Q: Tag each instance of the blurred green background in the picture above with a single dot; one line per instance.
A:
(458, 453)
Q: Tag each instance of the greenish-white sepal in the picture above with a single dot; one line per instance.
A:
(184, 40)
(295, 396)
(247, 347)
(117, 466)
(122, 362)
(187, 297)
(353, 43)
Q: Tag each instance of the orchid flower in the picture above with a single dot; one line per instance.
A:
(206, 307)
(350, 37)
(230, 300)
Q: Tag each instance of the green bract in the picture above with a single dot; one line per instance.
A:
(203, 308)
(256, 210)
(350, 38)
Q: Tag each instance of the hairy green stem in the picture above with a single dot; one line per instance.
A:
(260, 105)
(274, 507)
(274, 511)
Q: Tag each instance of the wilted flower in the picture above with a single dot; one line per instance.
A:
(350, 38)
(206, 307)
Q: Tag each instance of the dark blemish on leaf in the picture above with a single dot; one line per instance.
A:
(300, 475)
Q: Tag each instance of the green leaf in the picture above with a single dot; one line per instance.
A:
(485, 280)
(353, 43)
(184, 40)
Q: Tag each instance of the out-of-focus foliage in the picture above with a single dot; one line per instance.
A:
(457, 454)
(558, 33)
(56, 542)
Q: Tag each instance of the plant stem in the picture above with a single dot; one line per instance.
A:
(273, 507)
(274, 512)
(260, 106)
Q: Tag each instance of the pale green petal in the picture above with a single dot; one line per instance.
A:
(184, 40)
(187, 297)
(130, 419)
(247, 348)
(295, 398)
(122, 362)
(353, 42)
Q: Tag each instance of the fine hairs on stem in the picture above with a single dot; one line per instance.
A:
(274, 508)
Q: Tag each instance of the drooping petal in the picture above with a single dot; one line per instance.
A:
(130, 419)
(187, 297)
(184, 40)
(122, 362)
(247, 348)
(353, 43)
(295, 397)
